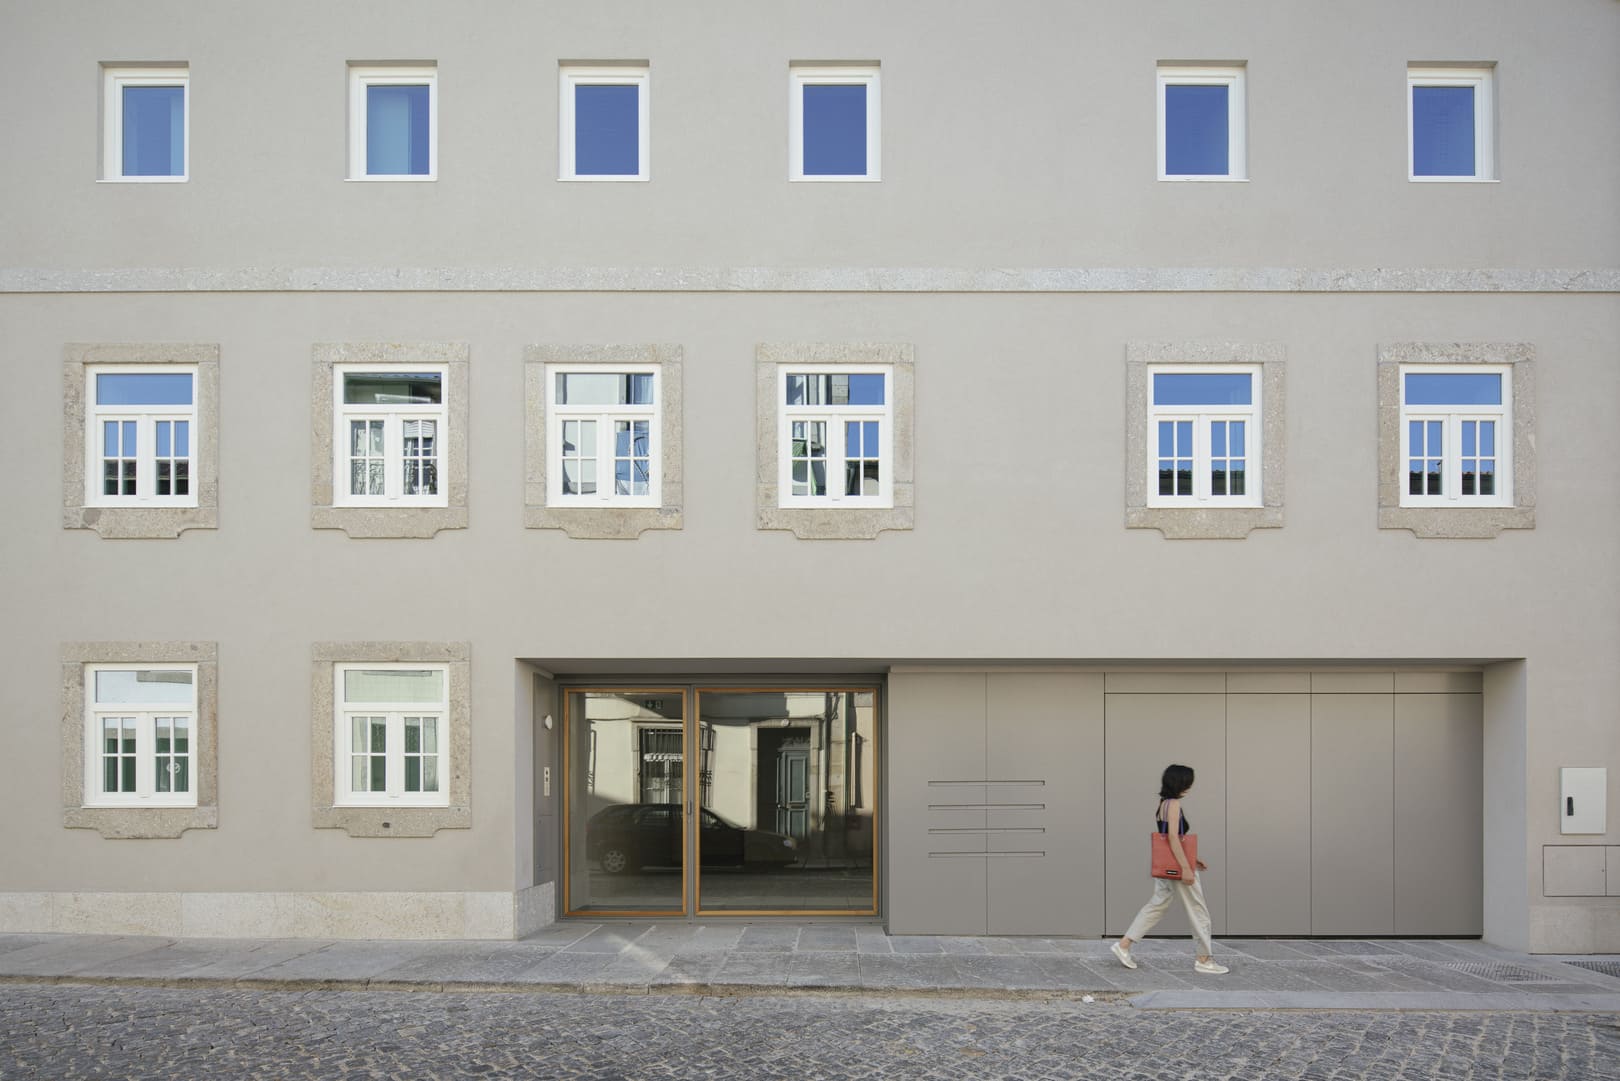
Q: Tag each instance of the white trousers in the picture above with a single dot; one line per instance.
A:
(1192, 899)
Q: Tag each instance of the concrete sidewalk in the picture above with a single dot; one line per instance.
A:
(767, 958)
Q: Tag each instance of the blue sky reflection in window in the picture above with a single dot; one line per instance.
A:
(834, 129)
(154, 135)
(397, 130)
(606, 139)
(1197, 136)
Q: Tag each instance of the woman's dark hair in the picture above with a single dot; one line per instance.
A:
(1176, 781)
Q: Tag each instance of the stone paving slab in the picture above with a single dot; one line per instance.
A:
(776, 958)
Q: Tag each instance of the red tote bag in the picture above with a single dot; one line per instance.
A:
(1164, 859)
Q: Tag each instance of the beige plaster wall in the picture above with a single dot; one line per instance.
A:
(1064, 177)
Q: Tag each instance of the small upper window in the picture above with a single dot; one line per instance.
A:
(141, 439)
(834, 119)
(603, 122)
(140, 737)
(836, 437)
(604, 427)
(1201, 123)
(1201, 422)
(393, 123)
(1454, 436)
(1449, 120)
(389, 433)
(392, 747)
(145, 122)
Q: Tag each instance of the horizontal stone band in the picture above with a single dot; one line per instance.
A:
(810, 280)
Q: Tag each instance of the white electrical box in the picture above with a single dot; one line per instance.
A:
(1583, 800)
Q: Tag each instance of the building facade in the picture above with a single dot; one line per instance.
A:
(526, 462)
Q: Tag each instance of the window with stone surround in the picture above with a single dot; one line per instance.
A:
(1205, 438)
(139, 734)
(603, 439)
(834, 439)
(1456, 438)
(391, 731)
(389, 430)
(141, 450)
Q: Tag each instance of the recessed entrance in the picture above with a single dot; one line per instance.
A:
(778, 817)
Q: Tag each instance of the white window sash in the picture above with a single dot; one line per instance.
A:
(1203, 418)
(1481, 80)
(1452, 419)
(575, 75)
(801, 76)
(146, 418)
(114, 82)
(393, 418)
(1451, 458)
(834, 416)
(145, 716)
(362, 77)
(394, 714)
(1237, 137)
(604, 416)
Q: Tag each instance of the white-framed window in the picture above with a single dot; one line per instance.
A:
(1450, 123)
(140, 735)
(836, 436)
(602, 123)
(604, 426)
(834, 122)
(1456, 435)
(1203, 130)
(393, 122)
(391, 726)
(1203, 430)
(141, 437)
(146, 123)
(389, 430)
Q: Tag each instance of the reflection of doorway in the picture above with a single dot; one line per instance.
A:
(661, 760)
(784, 759)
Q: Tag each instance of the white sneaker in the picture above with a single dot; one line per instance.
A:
(1123, 955)
(1210, 967)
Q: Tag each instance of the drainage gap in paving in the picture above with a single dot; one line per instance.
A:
(1605, 968)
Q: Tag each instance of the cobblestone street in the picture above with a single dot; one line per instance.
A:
(64, 1031)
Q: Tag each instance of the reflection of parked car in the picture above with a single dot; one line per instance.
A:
(633, 835)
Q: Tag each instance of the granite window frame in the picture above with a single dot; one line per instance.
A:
(80, 510)
(1206, 522)
(1474, 522)
(79, 810)
(374, 521)
(607, 521)
(857, 522)
(329, 810)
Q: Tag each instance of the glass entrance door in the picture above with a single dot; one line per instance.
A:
(768, 795)
(626, 801)
(788, 810)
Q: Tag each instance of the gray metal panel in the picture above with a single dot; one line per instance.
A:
(1145, 733)
(1352, 814)
(1574, 870)
(936, 730)
(1268, 814)
(1439, 793)
(1046, 730)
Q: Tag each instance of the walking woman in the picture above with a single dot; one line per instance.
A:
(1176, 783)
